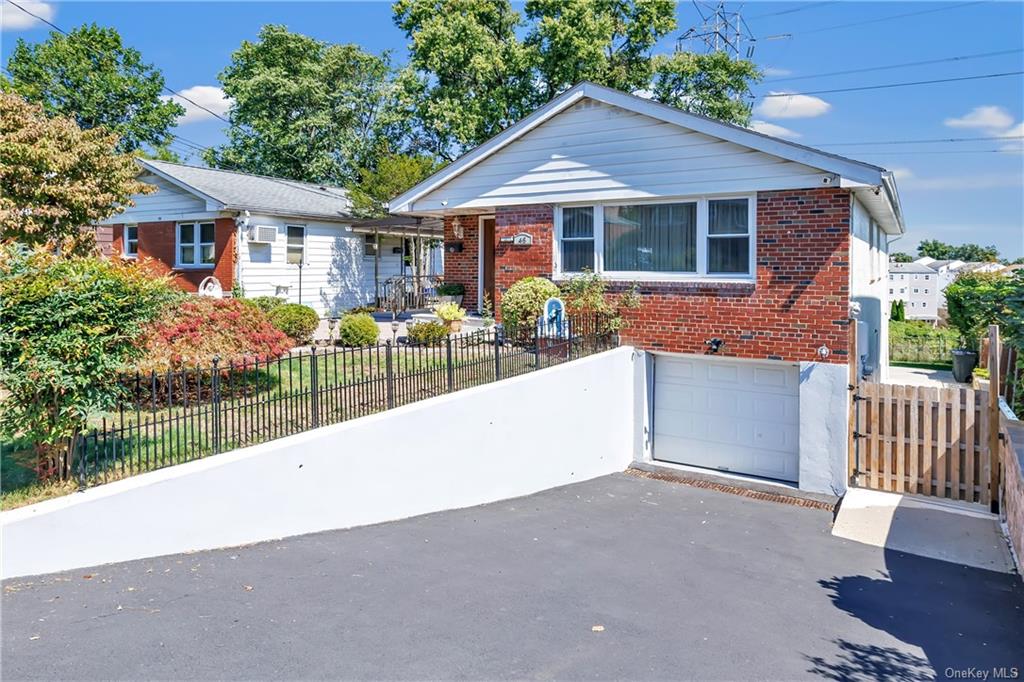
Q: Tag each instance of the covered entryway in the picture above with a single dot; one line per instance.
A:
(733, 415)
(486, 261)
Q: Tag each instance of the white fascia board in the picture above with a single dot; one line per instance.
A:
(791, 151)
(212, 203)
(848, 169)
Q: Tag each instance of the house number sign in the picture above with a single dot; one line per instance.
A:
(519, 239)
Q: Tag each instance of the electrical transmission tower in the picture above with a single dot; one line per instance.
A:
(721, 30)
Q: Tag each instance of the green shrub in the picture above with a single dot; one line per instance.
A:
(586, 295)
(524, 301)
(296, 321)
(265, 303)
(972, 303)
(451, 289)
(200, 329)
(68, 327)
(362, 309)
(427, 333)
(450, 312)
(358, 330)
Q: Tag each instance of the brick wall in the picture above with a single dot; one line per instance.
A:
(156, 251)
(513, 263)
(799, 301)
(463, 267)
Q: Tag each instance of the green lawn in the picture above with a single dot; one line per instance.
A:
(919, 344)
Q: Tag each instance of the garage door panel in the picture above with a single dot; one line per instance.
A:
(727, 414)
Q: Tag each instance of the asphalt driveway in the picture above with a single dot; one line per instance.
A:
(620, 577)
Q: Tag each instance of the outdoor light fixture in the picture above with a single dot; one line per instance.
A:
(394, 328)
(715, 344)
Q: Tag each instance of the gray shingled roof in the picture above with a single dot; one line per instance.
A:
(243, 191)
(899, 268)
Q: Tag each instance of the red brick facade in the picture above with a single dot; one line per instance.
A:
(463, 266)
(156, 251)
(798, 303)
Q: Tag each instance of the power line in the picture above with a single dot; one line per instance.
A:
(794, 10)
(927, 141)
(958, 58)
(888, 18)
(893, 85)
(57, 28)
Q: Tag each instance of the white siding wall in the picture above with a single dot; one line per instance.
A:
(596, 151)
(336, 274)
(869, 285)
(167, 203)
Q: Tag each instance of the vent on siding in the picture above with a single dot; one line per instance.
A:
(263, 234)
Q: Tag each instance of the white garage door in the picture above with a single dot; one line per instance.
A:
(731, 415)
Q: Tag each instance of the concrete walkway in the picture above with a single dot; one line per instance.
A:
(917, 376)
(620, 577)
(956, 532)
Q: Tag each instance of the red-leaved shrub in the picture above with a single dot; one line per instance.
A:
(200, 328)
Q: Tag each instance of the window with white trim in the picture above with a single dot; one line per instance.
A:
(296, 244)
(577, 243)
(195, 245)
(131, 241)
(682, 239)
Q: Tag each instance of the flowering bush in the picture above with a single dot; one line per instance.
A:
(524, 301)
(201, 328)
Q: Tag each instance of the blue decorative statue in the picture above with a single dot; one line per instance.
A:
(552, 324)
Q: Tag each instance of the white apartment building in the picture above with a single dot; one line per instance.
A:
(921, 285)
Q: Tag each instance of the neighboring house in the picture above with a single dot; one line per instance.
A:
(765, 244)
(921, 285)
(255, 231)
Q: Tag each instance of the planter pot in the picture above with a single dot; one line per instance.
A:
(455, 326)
(964, 362)
(457, 300)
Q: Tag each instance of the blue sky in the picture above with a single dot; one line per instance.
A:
(958, 194)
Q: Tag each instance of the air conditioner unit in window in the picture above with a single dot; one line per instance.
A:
(263, 234)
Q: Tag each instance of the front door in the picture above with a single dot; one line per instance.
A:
(487, 258)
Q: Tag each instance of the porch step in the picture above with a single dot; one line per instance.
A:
(956, 532)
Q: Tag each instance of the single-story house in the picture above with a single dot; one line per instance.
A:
(768, 246)
(273, 237)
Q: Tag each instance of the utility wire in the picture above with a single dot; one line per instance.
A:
(887, 18)
(928, 141)
(893, 85)
(958, 58)
(794, 10)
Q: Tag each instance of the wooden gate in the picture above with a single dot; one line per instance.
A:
(923, 440)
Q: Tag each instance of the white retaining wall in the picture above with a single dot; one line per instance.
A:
(489, 443)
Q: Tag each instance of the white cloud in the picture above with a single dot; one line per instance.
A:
(774, 71)
(774, 130)
(14, 19)
(1014, 145)
(208, 96)
(791, 106)
(902, 173)
(990, 118)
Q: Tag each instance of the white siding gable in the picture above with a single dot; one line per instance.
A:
(595, 151)
(169, 202)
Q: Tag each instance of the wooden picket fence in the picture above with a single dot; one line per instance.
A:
(923, 440)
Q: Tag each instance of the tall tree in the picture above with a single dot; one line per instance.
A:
(900, 257)
(308, 110)
(92, 77)
(938, 250)
(604, 41)
(471, 75)
(712, 84)
(393, 174)
(56, 177)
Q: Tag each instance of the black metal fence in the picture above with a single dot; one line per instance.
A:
(178, 416)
